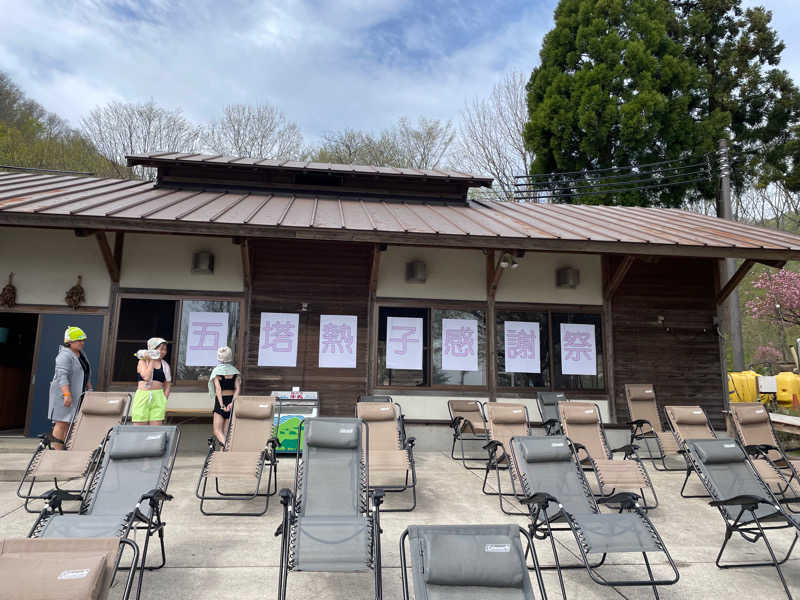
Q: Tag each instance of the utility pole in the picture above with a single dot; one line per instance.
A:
(728, 266)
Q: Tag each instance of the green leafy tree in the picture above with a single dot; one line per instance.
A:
(739, 53)
(614, 89)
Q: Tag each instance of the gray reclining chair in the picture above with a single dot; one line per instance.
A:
(127, 492)
(328, 524)
(745, 502)
(548, 409)
(468, 562)
(555, 489)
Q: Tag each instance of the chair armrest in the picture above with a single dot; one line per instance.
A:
(155, 495)
(286, 496)
(628, 449)
(541, 499)
(756, 449)
(624, 499)
(639, 423)
(46, 440)
(56, 496)
(378, 495)
(410, 442)
(742, 500)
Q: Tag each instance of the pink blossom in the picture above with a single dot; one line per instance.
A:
(780, 288)
(767, 354)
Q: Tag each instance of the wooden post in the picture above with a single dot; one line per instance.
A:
(372, 320)
(119, 241)
(108, 256)
(492, 279)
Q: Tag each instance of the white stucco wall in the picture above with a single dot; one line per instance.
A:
(165, 262)
(451, 274)
(535, 279)
(461, 275)
(47, 262)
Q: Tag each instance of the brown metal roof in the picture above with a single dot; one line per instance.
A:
(163, 158)
(32, 199)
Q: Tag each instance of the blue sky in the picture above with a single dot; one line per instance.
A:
(327, 65)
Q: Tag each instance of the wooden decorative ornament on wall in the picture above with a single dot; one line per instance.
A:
(8, 297)
(75, 295)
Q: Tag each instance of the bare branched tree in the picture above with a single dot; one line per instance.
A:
(491, 135)
(260, 131)
(121, 128)
(422, 146)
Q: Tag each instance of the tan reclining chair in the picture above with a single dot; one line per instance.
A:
(97, 414)
(583, 425)
(43, 569)
(504, 421)
(468, 420)
(249, 450)
(391, 453)
(646, 427)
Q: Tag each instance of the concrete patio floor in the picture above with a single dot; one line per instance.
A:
(237, 557)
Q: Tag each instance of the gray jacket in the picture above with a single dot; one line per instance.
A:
(68, 372)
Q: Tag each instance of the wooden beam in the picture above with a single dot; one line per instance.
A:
(492, 279)
(494, 274)
(735, 279)
(372, 318)
(375, 269)
(247, 268)
(119, 241)
(108, 256)
(618, 277)
(775, 264)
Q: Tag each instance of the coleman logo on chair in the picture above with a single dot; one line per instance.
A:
(114, 401)
(263, 406)
(516, 410)
(729, 445)
(350, 430)
(75, 574)
(384, 408)
(557, 444)
(697, 412)
(497, 548)
(153, 437)
(588, 410)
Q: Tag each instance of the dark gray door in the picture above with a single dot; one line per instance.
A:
(51, 334)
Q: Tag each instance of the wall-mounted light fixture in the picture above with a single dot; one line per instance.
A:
(416, 272)
(568, 277)
(203, 262)
(508, 262)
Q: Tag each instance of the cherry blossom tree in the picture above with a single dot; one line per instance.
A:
(780, 300)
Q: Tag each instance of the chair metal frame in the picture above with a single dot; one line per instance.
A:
(459, 426)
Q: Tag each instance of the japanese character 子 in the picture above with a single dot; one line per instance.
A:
(521, 344)
(337, 337)
(206, 340)
(459, 342)
(575, 344)
(278, 336)
(405, 338)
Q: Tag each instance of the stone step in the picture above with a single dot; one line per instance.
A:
(12, 465)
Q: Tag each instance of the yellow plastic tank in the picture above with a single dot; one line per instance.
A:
(743, 386)
(788, 385)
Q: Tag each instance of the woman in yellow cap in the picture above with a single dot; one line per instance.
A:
(70, 381)
(150, 401)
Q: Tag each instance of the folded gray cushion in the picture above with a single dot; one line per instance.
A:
(718, 452)
(138, 444)
(544, 449)
(338, 433)
(479, 560)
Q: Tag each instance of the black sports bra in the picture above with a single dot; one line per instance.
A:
(158, 375)
(226, 384)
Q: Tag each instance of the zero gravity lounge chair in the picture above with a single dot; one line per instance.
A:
(328, 525)
(126, 494)
(548, 409)
(505, 420)
(34, 569)
(646, 428)
(248, 455)
(97, 414)
(745, 503)
(559, 498)
(583, 425)
(391, 453)
(468, 420)
(468, 562)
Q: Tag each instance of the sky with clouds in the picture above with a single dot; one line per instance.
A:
(327, 65)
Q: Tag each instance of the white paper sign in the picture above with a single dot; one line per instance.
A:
(338, 335)
(277, 346)
(404, 343)
(459, 344)
(522, 347)
(208, 331)
(578, 352)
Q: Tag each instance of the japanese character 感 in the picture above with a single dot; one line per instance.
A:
(404, 339)
(278, 336)
(459, 342)
(337, 337)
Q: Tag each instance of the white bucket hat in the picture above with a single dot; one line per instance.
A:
(225, 355)
(155, 342)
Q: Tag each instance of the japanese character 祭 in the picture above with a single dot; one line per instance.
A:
(337, 338)
(577, 345)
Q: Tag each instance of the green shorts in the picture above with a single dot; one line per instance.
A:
(148, 405)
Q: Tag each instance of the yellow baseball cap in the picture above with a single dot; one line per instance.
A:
(74, 334)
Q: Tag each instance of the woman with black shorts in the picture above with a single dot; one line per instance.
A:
(223, 386)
